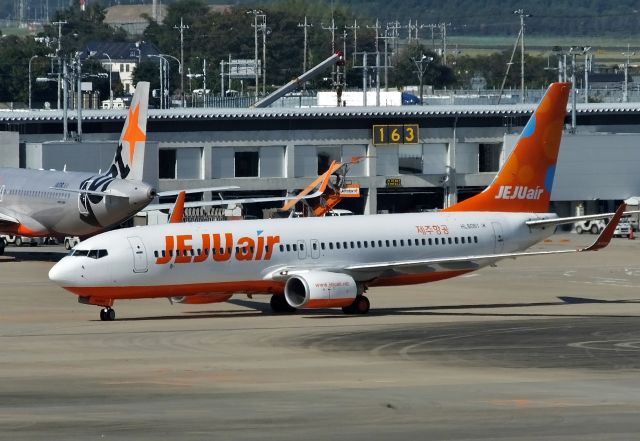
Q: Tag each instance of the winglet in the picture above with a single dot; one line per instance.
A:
(177, 214)
(605, 237)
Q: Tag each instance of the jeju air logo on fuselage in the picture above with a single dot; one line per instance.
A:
(519, 192)
(217, 247)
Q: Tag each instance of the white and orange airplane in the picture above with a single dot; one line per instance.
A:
(331, 262)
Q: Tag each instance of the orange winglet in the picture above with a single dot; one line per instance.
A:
(177, 214)
(524, 182)
(606, 235)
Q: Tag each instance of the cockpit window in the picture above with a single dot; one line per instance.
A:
(92, 254)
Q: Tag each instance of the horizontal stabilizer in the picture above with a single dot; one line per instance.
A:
(572, 219)
(91, 192)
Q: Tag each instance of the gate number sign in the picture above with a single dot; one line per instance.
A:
(395, 134)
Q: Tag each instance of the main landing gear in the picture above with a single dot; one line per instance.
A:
(107, 314)
(360, 305)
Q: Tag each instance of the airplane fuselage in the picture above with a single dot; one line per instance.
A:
(41, 202)
(249, 256)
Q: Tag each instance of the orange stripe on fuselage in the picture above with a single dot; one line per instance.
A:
(149, 292)
(239, 287)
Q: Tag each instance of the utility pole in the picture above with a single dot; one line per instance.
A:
(354, 28)
(59, 54)
(204, 83)
(625, 91)
(256, 13)
(377, 28)
(522, 15)
(65, 104)
(443, 34)
(572, 51)
(79, 96)
(305, 27)
(182, 27)
(263, 27)
(587, 69)
(332, 29)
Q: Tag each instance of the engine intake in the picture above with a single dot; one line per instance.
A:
(320, 289)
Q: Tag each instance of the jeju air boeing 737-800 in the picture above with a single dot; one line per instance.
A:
(331, 262)
(57, 203)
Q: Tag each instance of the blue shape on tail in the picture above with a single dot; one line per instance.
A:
(530, 128)
(548, 179)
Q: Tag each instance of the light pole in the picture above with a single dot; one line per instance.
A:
(179, 70)
(110, 83)
(30, 60)
(161, 61)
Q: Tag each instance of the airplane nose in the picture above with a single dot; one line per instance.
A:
(61, 273)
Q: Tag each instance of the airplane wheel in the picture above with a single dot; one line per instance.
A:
(360, 305)
(279, 304)
(107, 314)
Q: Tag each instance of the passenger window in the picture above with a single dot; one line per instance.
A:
(365, 244)
(475, 239)
(416, 242)
(345, 245)
(155, 253)
(373, 244)
(449, 240)
(337, 245)
(462, 240)
(281, 248)
(359, 244)
(455, 239)
(352, 244)
(301, 247)
(430, 242)
(408, 242)
(387, 243)
(436, 240)
(395, 244)
(322, 245)
(315, 246)
(380, 244)
(401, 242)
(295, 247)
(330, 245)
(288, 247)
(424, 242)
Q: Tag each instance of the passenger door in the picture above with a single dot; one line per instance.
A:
(139, 254)
(302, 250)
(315, 248)
(498, 237)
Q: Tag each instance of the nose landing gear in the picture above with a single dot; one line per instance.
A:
(107, 314)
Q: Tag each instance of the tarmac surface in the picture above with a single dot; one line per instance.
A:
(538, 348)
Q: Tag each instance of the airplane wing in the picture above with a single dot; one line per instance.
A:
(196, 190)
(7, 219)
(220, 202)
(461, 263)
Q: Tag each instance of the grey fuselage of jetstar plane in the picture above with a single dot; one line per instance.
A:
(50, 203)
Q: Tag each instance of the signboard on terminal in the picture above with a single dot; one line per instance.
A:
(393, 182)
(395, 134)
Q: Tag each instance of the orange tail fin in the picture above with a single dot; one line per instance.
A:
(524, 182)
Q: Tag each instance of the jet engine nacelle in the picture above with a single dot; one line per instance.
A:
(320, 289)
(201, 299)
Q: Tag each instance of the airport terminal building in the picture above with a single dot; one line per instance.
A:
(415, 157)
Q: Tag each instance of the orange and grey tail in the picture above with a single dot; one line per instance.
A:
(524, 182)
